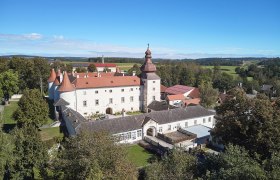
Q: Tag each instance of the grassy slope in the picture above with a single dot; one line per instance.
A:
(50, 133)
(138, 155)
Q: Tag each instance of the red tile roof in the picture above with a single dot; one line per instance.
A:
(178, 89)
(114, 81)
(192, 101)
(94, 74)
(195, 93)
(105, 65)
(52, 76)
(175, 97)
(162, 88)
(66, 85)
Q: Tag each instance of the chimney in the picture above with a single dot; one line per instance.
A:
(133, 73)
(102, 59)
(98, 74)
(77, 75)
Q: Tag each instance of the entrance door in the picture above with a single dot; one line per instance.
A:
(109, 111)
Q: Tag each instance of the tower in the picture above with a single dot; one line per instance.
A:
(67, 91)
(50, 84)
(150, 81)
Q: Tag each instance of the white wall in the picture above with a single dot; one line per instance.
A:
(70, 98)
(191, 122)
(101, 69)
(153, 89)
(51, 90)
(103, 96)
(126, 138)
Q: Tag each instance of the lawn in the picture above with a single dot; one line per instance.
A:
(126, 66)
(8, 113)
(138, 155)
(228, 69)
(50, 133)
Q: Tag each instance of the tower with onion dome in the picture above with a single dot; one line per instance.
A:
(150, 81)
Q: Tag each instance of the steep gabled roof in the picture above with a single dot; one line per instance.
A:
(66, 85)
(52, 76)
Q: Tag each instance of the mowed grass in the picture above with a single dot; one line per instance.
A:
(138, 155)
(227, 69)
(50, 133)
(9, 111)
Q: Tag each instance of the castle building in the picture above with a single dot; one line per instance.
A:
(110, 93)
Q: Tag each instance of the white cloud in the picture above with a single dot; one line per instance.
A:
(15, 37)
(58, 37)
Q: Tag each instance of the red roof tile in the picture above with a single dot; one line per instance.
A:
(66, 84)
(114, 81)
(162, 88)
(195, 93)
(105, 65)
(192, 101)
(175, 97)
(178, 89)
(52, 76)
(94, 74)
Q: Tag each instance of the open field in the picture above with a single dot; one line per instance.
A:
(227, 69)
(126, 66)
(138, 155)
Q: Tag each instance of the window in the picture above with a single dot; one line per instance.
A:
(110, 100)
(154, 81)
(204, 120)
(154, 98)
(110, 91)
(84, 103)
(122, 99)
(131, 98)
(178, 126)
(195, 122)
(122, 90)
(186, 124)
(154, 89)
(209, 119)
(169, 127)
(131, 89)
(133, 135)
(139, 133)
(129, 135)
(96, 92)
(97, 112)
(160, 129)
(84, 92)
(131, 109)
(121, 137)
(96, 102)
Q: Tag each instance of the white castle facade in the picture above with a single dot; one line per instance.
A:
(110, 93)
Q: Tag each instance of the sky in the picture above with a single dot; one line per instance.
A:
(123, 28)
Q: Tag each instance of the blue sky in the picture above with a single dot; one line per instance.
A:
(174, 29)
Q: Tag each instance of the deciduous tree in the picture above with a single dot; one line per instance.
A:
(208, 94)
(97, 156)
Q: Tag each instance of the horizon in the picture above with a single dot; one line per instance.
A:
(192, 30)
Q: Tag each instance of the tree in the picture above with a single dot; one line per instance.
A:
(272, 166)
(177, 165)
(234, 163)
(208, 94)
(9, 83)
(187, 77)
(106, 69)
(6, 149)
(33, 109)
(30, 154)
(81, 70)
(251, 123)
(97, 156)
(135, 68)
(223, 82)
(91, 68)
